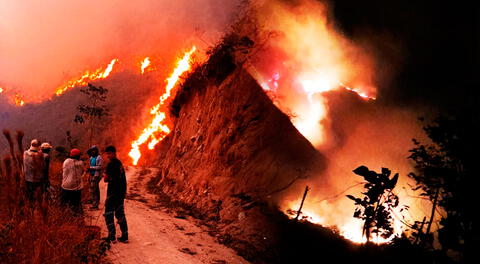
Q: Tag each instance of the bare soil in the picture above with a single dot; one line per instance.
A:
(157, 236)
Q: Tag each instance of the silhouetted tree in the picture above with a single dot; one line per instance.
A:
(446, 172)
(94, 110)
(375, 208)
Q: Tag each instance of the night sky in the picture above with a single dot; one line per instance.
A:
(428, 49)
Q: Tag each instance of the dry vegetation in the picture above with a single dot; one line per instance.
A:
(41, 231)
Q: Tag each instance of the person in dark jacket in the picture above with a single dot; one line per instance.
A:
(114, 175)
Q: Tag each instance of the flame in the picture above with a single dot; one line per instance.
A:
(312, 59)
(156, 131)
(14, 97)
(18, 99)
(348, 227)
(306, 60)
(144, 64)
(87, 77)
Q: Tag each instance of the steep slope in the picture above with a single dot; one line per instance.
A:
(230, 152)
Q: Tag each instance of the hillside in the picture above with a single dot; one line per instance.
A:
(129, 97)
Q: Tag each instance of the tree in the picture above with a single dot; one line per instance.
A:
(375, 209)
(446, 172)
(93, 111)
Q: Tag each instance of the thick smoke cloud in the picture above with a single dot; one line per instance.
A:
(44, 43)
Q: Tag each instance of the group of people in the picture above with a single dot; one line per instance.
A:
(36, 171)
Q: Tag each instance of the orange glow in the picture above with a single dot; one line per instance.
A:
(305, 61)
(312, 58)
(348, 227)
(18, 100)
(144, 64)
(87, 77)
(156, 131)
(13, 97)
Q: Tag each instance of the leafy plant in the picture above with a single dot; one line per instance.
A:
(375, 208)
(446, 172)
(94, 110)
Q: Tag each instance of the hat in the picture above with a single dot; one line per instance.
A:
(46, 145)
(75, 152)
(34, 143)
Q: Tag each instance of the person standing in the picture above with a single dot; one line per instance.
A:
(33, 165)
(46, 148)
(73, 170)
(95, 175)
(114, 175)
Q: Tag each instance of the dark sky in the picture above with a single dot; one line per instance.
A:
(432, 47)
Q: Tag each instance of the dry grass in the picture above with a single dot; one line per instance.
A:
(41, 231)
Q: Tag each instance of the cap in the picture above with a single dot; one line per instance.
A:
(75, 152)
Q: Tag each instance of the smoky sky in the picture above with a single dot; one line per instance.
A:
(46, 42)
(430, 49)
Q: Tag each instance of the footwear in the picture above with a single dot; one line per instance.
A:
(123, 239)
(109, 239)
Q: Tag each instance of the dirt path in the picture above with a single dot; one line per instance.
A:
(157, 237)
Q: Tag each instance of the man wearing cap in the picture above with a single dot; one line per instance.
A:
(73, 170)
(46, 148)
(33, 165)
(114, 175)
(95, 175)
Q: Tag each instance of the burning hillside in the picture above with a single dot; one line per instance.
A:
(286, 99)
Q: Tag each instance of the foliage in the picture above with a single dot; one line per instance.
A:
(95, 109)
(375, 208)
(446, 172)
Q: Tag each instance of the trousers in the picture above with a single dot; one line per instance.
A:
(94, 190)
(115, 208)
(72, 199)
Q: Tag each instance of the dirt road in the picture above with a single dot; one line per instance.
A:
(157, 237)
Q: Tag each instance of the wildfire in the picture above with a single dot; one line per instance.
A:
(1, 90)
(306, 60)
(350, 228)
(88, 76)
(156, 131)
(144, 64)
(18, 99)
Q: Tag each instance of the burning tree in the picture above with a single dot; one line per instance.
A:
(93, 111)
(375, 208)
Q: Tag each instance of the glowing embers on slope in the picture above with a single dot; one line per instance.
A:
(157, 129)
(18, 100)
(88, 76)
(12, 96)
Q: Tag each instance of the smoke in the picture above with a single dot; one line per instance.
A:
(45, 43)
(322, 79)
